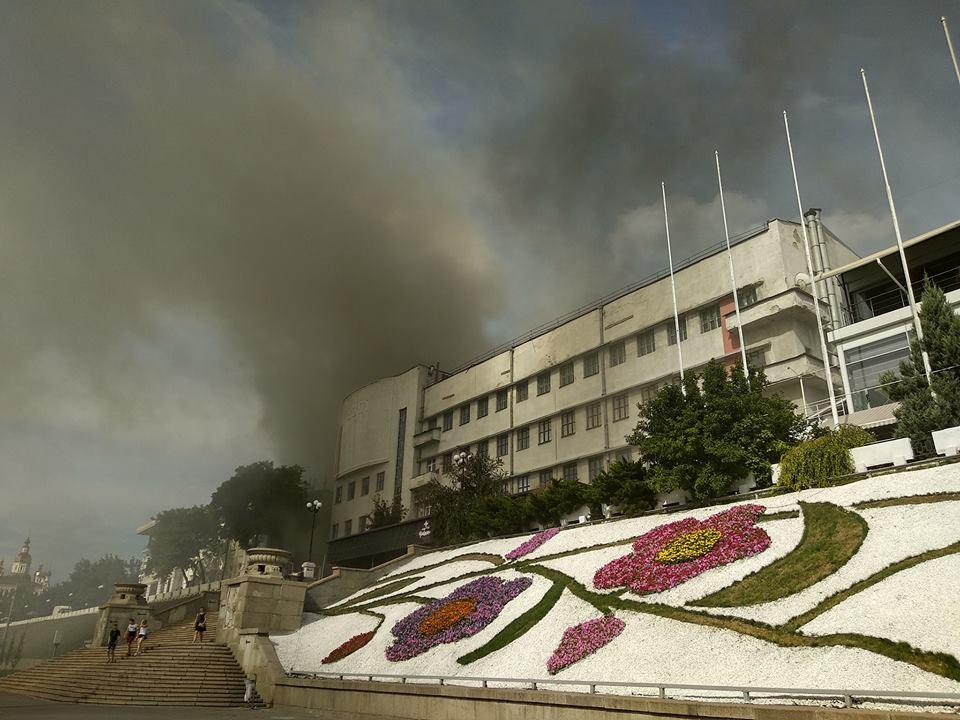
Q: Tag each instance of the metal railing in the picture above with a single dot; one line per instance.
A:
(895, 298)
(747, 693)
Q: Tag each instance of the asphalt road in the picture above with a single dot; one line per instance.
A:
(19, 707)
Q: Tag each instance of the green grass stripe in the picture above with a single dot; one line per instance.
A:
(495, 560)
(909, 500)
(381, 591)
(517, 627)
(831, 536)
(784, 515)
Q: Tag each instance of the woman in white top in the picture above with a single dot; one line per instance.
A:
(141, 636)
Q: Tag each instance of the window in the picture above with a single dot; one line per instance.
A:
(621, 407)
(352, 490)
(482, 405)
(338, 495)
(503, 445)
(523, 439)
(646, 343)
(566, 374)
(594, 467)
(594, 413)
(362, 524)
(483, 448)
(757, 358)
(649, 392)
(568, 423)
(709, 318)
(347, 528)
(545, 431)
(448, 420)
(501, 400)
(448, 462)
(545, 477)
(748, 296)
(432, 464)
(522, 391)
(365, 486)
(380, 478)
(543, 383)
(618, 353)
(591, 364)
(335, 531)
(672, 330)
(523, 484)
(867, 363)
(432, 423)
(465, 414)
(570, 471)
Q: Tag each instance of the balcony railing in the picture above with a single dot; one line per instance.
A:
(895, 298)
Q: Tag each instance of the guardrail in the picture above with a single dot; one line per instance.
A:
(747, 692)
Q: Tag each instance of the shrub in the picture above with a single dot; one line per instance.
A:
(624, 484)
(813, 463)
(550, 503)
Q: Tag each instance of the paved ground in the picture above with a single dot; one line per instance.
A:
(19, 707)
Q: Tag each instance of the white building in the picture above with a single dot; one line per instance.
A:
(559, 401)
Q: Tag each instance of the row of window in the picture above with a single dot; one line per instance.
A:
(348, 527)
(709, 318)
(364, 488)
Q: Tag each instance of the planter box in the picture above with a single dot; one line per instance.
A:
(889, 452)
(947, 441)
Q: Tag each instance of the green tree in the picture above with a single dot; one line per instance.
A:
(920, 413)
(90, 583)
(557, 498)
(262, 503)
(385, 513)
(715, 433)
(186, 539)
(815, 462)
(624, 484)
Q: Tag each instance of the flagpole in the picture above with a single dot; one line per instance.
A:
(896, 227)
(953, 53)
(827, 371)
(733, 276)
(673, 286)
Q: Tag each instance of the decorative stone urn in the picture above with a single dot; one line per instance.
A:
(268, 561)
(128, 593)
(126, 602)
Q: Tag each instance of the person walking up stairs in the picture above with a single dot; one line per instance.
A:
(170, 671)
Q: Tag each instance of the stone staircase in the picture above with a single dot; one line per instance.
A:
(169, 671)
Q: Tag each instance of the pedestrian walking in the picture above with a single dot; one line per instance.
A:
(112, 643)
(200, 625)
(141, 636)
(131, 635)
(250, 687)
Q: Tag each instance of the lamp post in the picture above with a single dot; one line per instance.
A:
(309, 568)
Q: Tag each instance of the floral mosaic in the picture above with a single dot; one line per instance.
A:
(531, 544)
(675, 552)
(582, 640)
(462, 613)
(349, 647)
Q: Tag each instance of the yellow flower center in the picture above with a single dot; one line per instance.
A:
(689, 546)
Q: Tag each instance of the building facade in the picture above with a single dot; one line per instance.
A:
(20, 580)
(560, 401)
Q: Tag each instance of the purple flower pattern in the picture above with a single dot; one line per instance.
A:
(582, 640)
(532, 544)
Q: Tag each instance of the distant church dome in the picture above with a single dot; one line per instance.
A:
(21, 563)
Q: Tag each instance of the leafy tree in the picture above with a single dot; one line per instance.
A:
(717, 432)
(625, 485)
(186, 539)
(814, 462)
(90, 583)
(262, 503)
(550, 503)
(385, 513)
(920, 413)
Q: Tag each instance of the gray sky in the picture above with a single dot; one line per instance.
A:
(217, 219)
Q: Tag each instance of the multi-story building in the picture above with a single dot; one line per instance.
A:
(876, 327)
(560, 401)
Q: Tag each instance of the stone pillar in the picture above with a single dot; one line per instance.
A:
(126, 602)
(263, 597)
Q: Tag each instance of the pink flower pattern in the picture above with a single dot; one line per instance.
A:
(643, 573)
(532, 544)
(582, 640)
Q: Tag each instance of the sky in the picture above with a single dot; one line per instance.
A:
(219, 218)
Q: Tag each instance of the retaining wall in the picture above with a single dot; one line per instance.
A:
(76, 628)
(344, 582)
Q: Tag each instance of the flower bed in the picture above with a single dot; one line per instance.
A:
(532, 544)
(582, 640)
(462, 613)
(349, 647)
(673, 553)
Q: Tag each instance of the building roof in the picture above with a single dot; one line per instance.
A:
(870, 259)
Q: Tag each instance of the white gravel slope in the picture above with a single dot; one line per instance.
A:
(895, 533)
(494, 547)
(434, 575)
(917, 606)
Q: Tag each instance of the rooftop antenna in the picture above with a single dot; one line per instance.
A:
(733, 276)
(673, 286)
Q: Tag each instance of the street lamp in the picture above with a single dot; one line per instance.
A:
(461, 457)
(314, 507)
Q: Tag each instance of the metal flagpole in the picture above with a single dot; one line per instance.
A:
(673, 286)
(896, 227)
(953, 53)
(827, 371)
(733, 276)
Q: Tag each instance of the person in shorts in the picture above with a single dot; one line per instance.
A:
(112, 643)
(200, 625)
(131, 635)
(141, 636)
